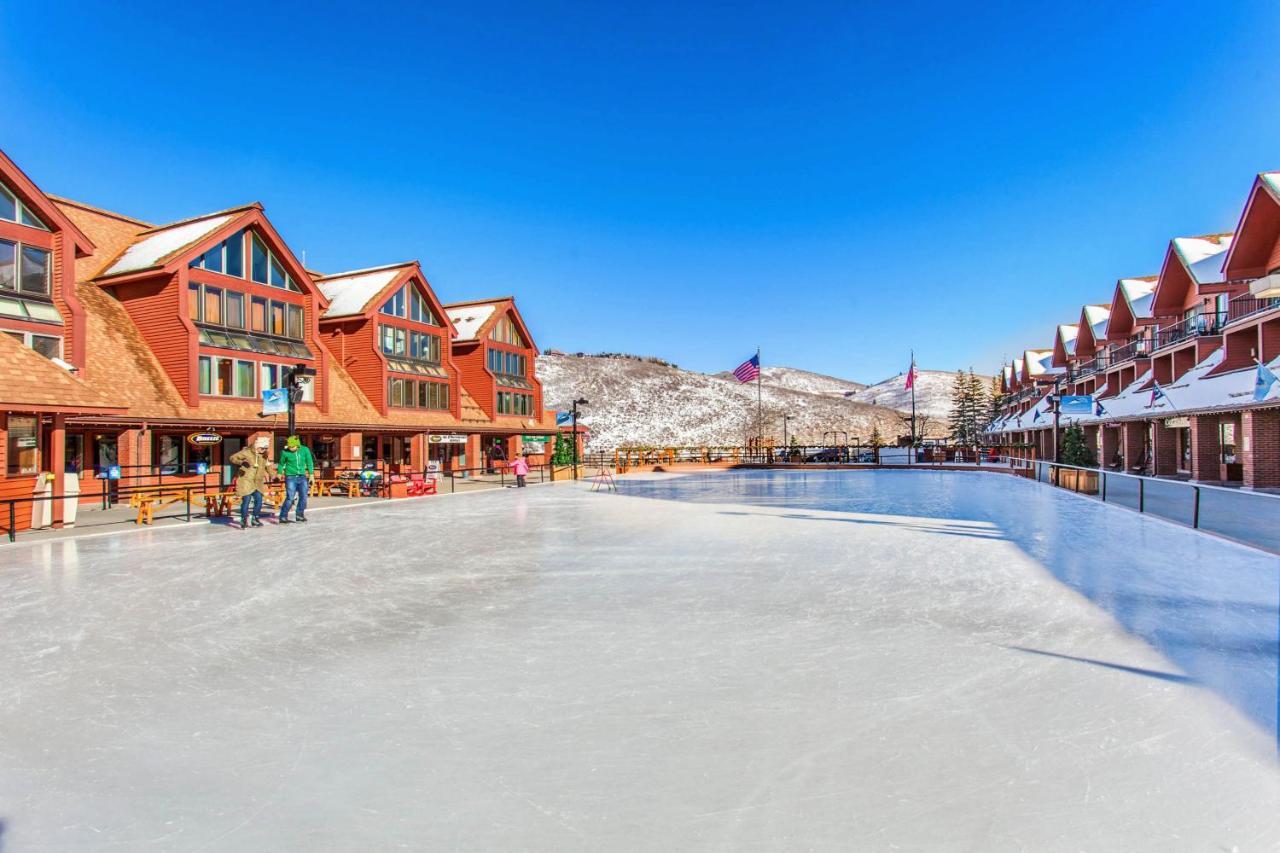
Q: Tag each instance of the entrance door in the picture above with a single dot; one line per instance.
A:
(106, 455)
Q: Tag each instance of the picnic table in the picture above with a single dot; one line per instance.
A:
(146, 500)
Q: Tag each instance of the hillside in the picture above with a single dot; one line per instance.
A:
(636, 401)
(933, 394)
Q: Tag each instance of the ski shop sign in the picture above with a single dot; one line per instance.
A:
(447, 439)
(204, 439)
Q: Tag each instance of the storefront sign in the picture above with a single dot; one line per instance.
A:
(447, 439)
(534, 443)
(204, 439)
(1177, 423)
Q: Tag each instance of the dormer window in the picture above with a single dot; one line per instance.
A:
(505, 332)
(408, 303)
(265, 267)
(12, 209)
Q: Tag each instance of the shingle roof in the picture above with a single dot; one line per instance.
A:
(29, 379)
(349, 293)
(154, 247)
(469, 318)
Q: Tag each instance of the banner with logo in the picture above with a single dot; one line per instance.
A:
(275, 401)
(1075, 404)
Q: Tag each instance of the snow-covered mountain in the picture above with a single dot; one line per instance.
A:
(933, 393)
(636, 401)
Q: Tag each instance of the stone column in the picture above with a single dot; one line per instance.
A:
(1259, 448)
(1206, 449)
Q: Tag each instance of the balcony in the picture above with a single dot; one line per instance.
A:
(1247, 305)
(1136, 348)
(1094, 365)
(1199, 326)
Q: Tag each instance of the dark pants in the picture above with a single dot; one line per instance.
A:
(252, 500)
(295, 490)
(519, 481)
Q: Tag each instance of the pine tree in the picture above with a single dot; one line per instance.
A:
(563, 453)
(877, 438)
(996, 398)
(1076, 450)
(969, 405)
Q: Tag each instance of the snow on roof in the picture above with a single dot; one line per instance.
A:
(468, 319)
(1272, 180)
(349, 294)
(153, 248)
(1067, 333)
(1203, 256)
(1139, 293)
(1039, 362)
(1097, 316)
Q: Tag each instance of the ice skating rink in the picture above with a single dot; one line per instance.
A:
(759, 661)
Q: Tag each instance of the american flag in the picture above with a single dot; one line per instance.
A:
(748, 370)
(911, 375)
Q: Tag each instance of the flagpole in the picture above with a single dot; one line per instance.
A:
(759, 405)
(911, 453)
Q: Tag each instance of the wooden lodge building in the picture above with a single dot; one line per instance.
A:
(1173, 363)
(122, 339)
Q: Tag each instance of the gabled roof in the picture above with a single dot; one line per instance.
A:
(1203, 256)
(1039, 362)
(155, 247)
(34, 197)
(351, 293)
(470, 317)
(1067, 334)
(1138, 294)
(1257, 232)
(29, 380)
(1016, 368)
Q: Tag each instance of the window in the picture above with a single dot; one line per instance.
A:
(1227, 435)
(12, 209)
(258, 315)
(48, 346)
(295, 322)
(258, 260)
(424, 347)
(505, 332)
(270, 375)
(24, 269)
(394, 306)
(169, 453)
(206, 374)
(193, 303)
(510, 403)
(277, 318)
(222, 377)
(74, 453)
(235, 310)
(24, 445)
(411, 393)
(34, 275)
(506, 363)
(419, 311)
(244, 379)
(212, 306)
(234, 249)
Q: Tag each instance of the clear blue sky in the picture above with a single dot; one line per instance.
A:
(834, 183)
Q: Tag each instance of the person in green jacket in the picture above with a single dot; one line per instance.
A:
(298, 468)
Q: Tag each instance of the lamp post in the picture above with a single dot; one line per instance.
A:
(291, 382)
(576, 403)
(785, 418)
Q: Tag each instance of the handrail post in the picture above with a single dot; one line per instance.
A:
(1142, 494)
(188, 491)
(1103, 472)
(13, 523)
(1195, 512)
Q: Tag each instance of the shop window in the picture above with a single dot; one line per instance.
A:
(168, 453)
(24, 445)
(74, 450)
(1227, 437)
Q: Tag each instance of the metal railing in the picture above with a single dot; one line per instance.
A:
(1208, 323)
(624, 459)
(1138, 348)
(1245, 516)
(1091, 366)
(1247, 305)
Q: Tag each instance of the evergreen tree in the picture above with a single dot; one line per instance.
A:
(563, 453)
(1076, 450)
(997, 399)
(877, 438)
(969, 407)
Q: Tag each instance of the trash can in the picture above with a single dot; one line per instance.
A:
(71, 499)
(42, 510)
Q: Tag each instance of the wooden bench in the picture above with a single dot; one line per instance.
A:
(147, 502)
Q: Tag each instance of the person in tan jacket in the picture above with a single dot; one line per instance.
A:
(251, 479)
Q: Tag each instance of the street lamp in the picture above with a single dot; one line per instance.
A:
(785, 418)
(576, 403)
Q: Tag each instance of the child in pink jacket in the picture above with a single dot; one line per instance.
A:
(520, 467)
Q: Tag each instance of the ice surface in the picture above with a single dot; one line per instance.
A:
(755, 661)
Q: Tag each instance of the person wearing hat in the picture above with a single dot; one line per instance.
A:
(298, 468)
(251, 479)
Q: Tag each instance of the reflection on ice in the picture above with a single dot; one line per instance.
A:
(1209, 606)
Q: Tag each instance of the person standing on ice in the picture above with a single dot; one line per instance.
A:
(251, 479)
(298, 468)
(520, 467)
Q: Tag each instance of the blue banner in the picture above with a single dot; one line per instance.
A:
(275, 401)
(1075, 404)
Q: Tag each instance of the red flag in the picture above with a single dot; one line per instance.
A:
(911, 376)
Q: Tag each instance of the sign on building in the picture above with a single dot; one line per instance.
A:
(275, 401)
(447, 439)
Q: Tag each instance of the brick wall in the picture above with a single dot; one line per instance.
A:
(1259, 448)
(1206, 449)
